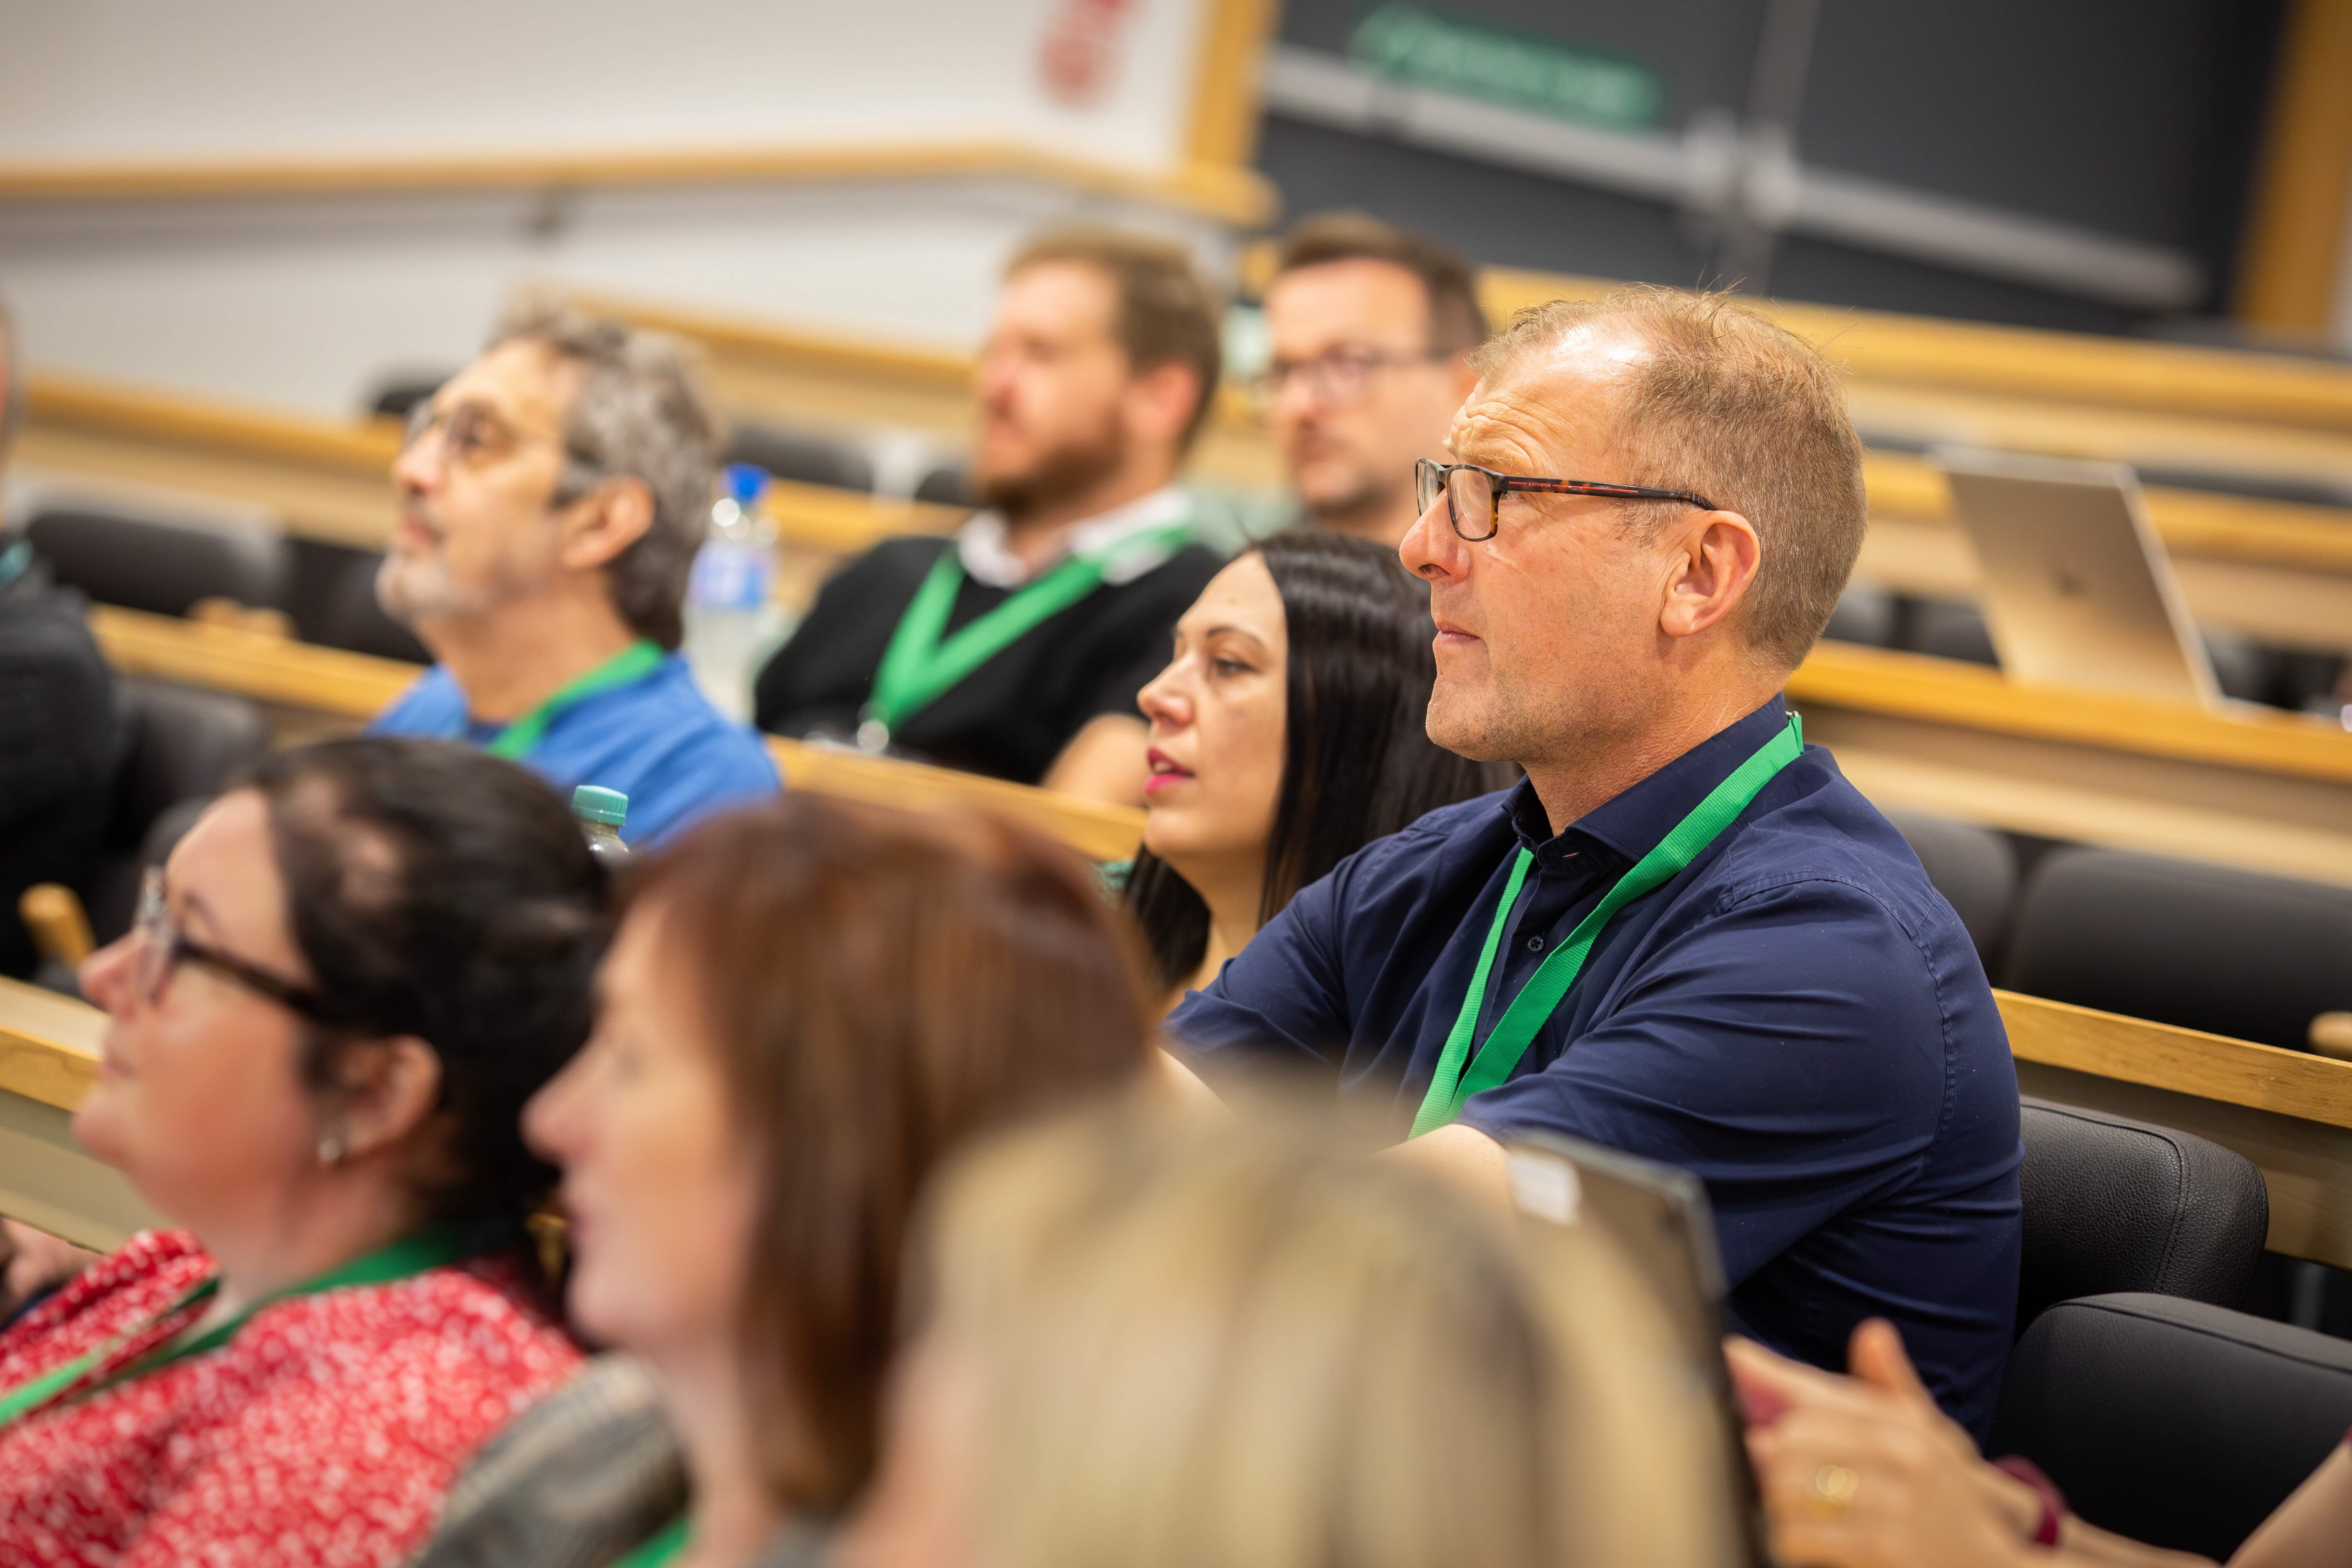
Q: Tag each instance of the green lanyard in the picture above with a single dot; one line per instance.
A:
(631, 665)
(1537, 999)
(426, 1249)
(919, 668)
(657, 1548)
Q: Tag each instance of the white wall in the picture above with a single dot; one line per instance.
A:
(201, 79)
(304, 302)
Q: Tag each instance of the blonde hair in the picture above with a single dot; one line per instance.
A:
(1202, 1342)
(1742, 412)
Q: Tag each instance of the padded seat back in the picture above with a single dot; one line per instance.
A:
(160, 567)
(2205, 947)
(804, 458)
(1974, 867)
(179, 745)
(350, 618)
(2113, 1205)
(2175, 1423)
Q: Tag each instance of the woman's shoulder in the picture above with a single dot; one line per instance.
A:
(462, 1330)
(112, 1296)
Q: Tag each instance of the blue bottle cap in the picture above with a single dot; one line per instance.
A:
(597, 804)
(745, 481)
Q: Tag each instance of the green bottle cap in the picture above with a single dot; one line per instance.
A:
(599, 804)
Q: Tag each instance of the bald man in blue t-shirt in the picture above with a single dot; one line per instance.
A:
(552, 496)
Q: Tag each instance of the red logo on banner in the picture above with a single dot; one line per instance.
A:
(1080, 54)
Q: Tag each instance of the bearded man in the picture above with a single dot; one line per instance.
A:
(1016, 647)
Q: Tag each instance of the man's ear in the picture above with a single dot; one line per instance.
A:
(1160, 401)
(1714, 563)
(385, 1091)
(606, 522)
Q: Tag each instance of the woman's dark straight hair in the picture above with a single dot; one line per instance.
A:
(1357, 763)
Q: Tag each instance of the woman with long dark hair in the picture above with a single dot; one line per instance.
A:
(1287, 734)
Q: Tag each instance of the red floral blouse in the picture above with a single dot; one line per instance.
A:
(324, 1433)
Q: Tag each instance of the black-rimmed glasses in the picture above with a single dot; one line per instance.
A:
(1474, 495)
(163, 947)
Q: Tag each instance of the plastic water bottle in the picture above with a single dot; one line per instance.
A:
(600, 813)
(732, 620)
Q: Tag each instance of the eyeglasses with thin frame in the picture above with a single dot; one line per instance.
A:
(1339, 378)
(163, 947)
(471, 435)
(1473, 493)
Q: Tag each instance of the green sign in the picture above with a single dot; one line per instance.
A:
(1494, 66)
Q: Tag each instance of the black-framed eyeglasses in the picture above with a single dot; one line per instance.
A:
(1341, 377)
(1474, 495)
(163, 947)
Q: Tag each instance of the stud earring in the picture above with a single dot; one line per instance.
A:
(331, 1149)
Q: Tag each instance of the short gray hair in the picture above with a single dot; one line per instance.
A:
(1744, 413)
(641, 413)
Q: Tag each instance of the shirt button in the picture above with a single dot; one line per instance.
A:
(1535, 944)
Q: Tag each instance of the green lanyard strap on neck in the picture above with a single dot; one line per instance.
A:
(427, 1249)
(628, 666)
(918, 667)
(1507, 1042)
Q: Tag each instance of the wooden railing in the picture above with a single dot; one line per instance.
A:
(2266, 791)
(1224, 190)
(2289, 1113)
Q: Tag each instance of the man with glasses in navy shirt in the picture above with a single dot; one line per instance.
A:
(1684, 934)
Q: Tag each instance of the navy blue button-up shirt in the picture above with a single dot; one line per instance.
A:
(1798, 1019)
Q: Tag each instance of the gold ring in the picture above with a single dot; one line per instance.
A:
(1832, 1491)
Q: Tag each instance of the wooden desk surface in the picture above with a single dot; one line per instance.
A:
(2266, 791)
(1095, 828)
(2288, 1112)
(48, 1058)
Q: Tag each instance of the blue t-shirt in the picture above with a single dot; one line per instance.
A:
(1798, 1018)
(657, 740)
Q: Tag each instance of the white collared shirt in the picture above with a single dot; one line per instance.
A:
(986, 558)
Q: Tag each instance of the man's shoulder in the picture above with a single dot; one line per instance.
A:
(1822, 830)
(431, 706)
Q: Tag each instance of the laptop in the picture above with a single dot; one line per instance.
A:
(2077, 588)
(1659, 1218)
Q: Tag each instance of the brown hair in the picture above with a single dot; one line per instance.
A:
(878, 986)
(1207, 1339)
(1746, 414)
(1167, 313)
(1457, 322)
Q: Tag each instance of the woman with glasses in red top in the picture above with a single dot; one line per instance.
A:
(320, 1033)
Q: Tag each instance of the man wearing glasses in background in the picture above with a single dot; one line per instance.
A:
(1684, 934)
(552, 495)
(1371, 330)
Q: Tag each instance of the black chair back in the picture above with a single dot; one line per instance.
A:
(2113, 1205)
(804, 458)
(160, 567)
(2175, 1423)
(1974, 867)
(180, 745)
(2205, 947)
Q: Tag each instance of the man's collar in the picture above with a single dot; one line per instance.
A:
(987, 558)
(1630, 823)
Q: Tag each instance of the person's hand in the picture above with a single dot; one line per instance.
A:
(1866, 1471)
(32, 1261)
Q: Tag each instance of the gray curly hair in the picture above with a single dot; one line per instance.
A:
(641, 413)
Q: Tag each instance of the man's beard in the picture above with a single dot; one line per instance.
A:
(417, 587)
(1066, 473)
